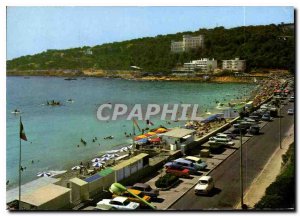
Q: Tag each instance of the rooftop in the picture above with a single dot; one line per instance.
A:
(44, 194)
(78, 181)
(129, 161)
(29, 187)
(179, 132)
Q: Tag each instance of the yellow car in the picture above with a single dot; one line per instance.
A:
(132, 198)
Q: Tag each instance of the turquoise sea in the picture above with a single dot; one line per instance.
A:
(55, 132)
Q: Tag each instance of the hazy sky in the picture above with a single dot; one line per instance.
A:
(32, 30)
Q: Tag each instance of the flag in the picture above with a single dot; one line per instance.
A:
(135, 122)
(149, 123)
(22, 132)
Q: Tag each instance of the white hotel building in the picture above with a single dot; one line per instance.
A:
(234, 64)
(188, 42)
(203, 64)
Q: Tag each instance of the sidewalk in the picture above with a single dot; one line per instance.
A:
(268, 175)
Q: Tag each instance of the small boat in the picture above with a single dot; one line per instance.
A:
(53, 103)
(26, 77)
(70, 100)
(16, 112)
(109, 137)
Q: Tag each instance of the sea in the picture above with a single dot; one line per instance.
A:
(54, 132)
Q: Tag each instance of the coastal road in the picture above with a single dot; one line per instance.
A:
(256, 153)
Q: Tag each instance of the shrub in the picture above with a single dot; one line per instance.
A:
(166, 180)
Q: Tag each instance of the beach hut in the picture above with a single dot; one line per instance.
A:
(49, 197)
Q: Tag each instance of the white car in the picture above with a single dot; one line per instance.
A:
(290, 112)
(120, 203)
(225, 142)
(205, 185)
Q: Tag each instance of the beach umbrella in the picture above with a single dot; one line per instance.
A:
(124, 149)
(147, 135)
(106, 155)
(140, 137)
(161, 130)
(44, 174)
(105, 159)
(114, 155)
(77, 167)
(96, 160)
(97, 164)
(151, 133)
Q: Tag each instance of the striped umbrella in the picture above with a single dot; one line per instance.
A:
(97, 164)
(44, 174)
(77, 167)
(96, 160)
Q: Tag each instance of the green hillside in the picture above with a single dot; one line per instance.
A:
(270, 46)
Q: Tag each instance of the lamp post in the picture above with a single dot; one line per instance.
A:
(280, 124)
(241, 166)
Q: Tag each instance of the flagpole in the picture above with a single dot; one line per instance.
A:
(20, 167)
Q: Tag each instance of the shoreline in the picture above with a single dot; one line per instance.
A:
(137, 77)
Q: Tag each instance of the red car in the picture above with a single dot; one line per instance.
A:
(178, 171)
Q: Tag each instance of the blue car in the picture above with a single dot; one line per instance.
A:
(184, 164)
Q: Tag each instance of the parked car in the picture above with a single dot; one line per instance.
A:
(266, 117)
(215, 138)
(133, 198)
(244, 125)
(292, 99)
(290, 112)
(254, 130)
(120, 203)
(205, 185)
(183, 163)
(273, 112)
(237, 131)
(178, 171)
(197, 161)
(146, 189)
(255, 117)
(248, 119)
(224, 142)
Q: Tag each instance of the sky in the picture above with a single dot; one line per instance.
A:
(32, 30)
